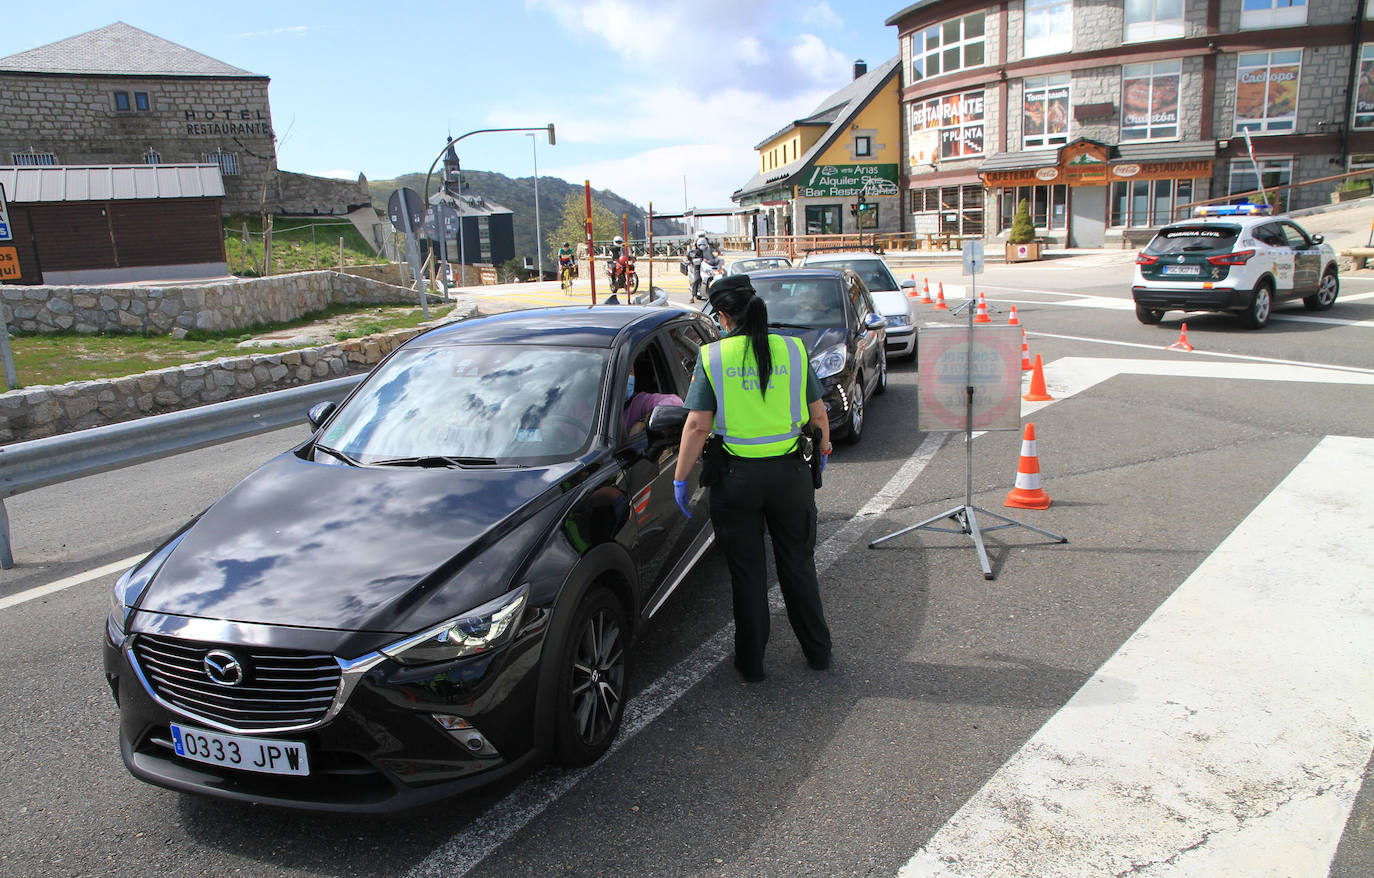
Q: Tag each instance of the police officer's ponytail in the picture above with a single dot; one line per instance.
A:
(734, 295)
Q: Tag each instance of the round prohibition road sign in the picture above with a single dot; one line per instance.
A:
(944, 376)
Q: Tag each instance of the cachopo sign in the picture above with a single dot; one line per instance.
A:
(944, 376)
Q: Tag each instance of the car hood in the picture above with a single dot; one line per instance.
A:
(890, 302)
(816, 340)
(320, 545)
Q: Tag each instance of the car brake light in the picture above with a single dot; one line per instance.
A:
(1240, 257)
(1145, 259)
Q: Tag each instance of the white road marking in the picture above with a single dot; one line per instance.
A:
(60, 584)
(478, 839)
(1229, 735)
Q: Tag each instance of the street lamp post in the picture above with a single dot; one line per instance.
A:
(453, 140)
(538, 236)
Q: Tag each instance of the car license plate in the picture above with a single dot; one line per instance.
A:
(1183, 269)
(266, 755)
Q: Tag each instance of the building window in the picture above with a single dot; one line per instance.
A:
(1139, 204)
(823, 219)
(121, 101)
(1272, 172)
(948, 210)
(1045, 113)
(1267, 90)
(484, 237)
(228, 161)
(1149, 100)
(1153, 20)
(863, 146)
(32, 159)
(866, 215)
(141, 102)
(952, 45)
(1048, 27)
(1047, 205)
(948, 127)
(152, 157)
(1364, 87)
(1273, 13)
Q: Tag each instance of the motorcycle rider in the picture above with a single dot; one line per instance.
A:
(615, 266)
(704, 250)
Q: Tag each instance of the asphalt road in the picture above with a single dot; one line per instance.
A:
(942, 679)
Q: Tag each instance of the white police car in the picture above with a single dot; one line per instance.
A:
(1236, 258)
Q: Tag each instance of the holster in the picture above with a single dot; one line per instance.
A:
(713, 462)
(809, 446)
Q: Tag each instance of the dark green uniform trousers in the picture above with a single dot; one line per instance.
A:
(778, 491)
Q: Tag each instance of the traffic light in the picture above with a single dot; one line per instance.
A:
(854, 210)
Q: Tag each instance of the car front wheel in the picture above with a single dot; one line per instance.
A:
(1257, 315)
(1148, 316)
(881, 386)
(856, 414)
(1325, 296)
(594, 665)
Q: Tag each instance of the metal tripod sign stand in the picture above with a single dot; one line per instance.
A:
(999, 415)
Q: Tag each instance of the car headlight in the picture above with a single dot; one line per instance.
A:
(897, 320)
(829, 362)
(129, 587)
(478, 630)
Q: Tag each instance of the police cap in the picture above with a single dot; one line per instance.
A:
(729, 284)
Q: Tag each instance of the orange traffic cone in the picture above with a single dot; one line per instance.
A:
(1025, 352)
(1013, 320)
(1182, 343)
(1037, 388)
(1028, 494)
(925, 291)
(982, 311)
(940, 299)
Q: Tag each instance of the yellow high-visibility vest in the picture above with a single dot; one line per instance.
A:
(753, 425)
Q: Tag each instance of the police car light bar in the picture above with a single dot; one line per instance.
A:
(1232, 210)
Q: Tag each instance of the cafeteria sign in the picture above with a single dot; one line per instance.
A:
(849, 181)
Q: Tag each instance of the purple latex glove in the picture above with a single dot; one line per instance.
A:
(680, 495)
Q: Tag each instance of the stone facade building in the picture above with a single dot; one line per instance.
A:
(119, 95)
(1107, 116)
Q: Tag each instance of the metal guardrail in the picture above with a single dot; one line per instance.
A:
(37, 463)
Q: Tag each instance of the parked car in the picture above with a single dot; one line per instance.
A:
(833, 314)
(887, 295)
(1234, 258)
(436, 589)
(757, 263)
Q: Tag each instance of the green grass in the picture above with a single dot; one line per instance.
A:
(298, 244)
(61, 357)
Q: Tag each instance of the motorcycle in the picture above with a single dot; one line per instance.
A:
(623, 276)
(703, 274)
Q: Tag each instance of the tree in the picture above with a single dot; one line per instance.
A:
(1022, 231)
(572, 223)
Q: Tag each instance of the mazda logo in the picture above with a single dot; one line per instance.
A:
(223, 668)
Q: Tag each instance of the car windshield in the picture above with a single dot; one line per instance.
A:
(814, 301)
(873, 272)
(1194, 239)
(472, 404)
(763, 264)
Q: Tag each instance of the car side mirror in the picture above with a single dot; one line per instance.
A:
(319, 413)
(909, 283)
(664, 428)
(1318, 239)
(874, 321)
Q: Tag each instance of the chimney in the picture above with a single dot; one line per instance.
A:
(860, 68)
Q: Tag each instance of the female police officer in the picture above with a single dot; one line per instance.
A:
(751, 388)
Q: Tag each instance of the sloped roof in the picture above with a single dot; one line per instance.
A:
(838, 109)
(121, 50)
(26, 185)
(1020, 160)
(469, 205)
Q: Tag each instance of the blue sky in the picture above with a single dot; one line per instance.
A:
(643, 92)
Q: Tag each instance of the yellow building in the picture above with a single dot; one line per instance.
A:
(836, 170)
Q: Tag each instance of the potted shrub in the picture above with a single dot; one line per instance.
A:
(1021, 243)
(1353, 187)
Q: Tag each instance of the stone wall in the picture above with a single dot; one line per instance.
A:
(213, 307)
(304, 194)
(74, 117)
(36, 412)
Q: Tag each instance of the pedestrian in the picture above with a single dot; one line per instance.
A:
(756, 390)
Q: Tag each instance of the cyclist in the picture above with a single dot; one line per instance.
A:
(566, 265)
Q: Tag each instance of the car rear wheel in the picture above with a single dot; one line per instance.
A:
(1325, 296)
(1257, 315)
(856, 413)
(1148, 316)
(594, 665)
(882, 373)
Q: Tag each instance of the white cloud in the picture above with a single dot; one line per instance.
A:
(338, 174)
(712, 172)
(821, 17)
